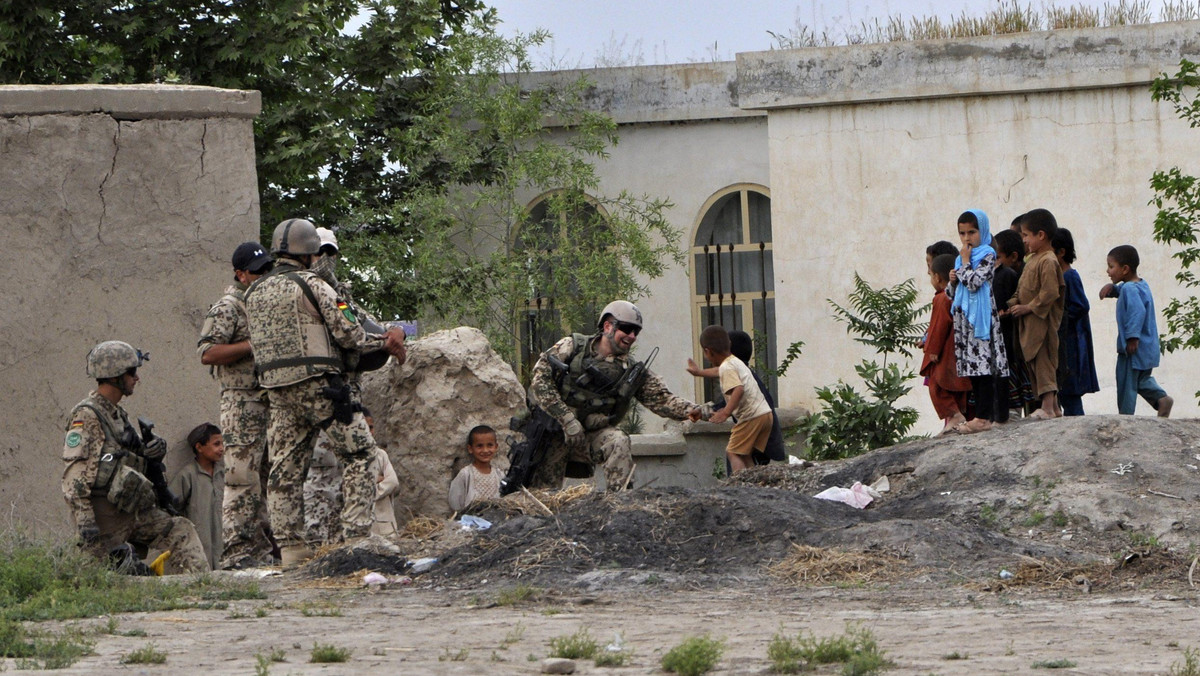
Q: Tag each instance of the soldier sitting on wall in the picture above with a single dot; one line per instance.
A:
(111, 499)
(592, 396)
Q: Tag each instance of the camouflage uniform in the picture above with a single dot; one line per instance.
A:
(93, 440)
(605, 444)
(243, 426)
(323, 495)
(300, 349)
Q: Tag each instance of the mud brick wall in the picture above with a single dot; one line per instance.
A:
(120, 208)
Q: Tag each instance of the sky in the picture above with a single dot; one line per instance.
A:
(673, 31)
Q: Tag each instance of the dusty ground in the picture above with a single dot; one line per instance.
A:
(1093, 517)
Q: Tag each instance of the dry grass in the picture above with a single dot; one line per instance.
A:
(421, 528)
(816, 565)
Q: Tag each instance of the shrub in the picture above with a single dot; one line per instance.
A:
(324, 653)
(696, 655)
(577, 646)
(148, 654)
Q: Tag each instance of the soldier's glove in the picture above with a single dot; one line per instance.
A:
(595, 421)
(706, 410)
(573, 433)
(156, 448)
(89, 533)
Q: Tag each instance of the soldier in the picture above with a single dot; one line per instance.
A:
(112, 501)
(225, 346)
(592, 397)
(302, 336)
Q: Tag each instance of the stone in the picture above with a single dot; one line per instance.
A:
(558, 665)
(452, 381)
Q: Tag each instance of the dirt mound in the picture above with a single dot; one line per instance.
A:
(1071, 498)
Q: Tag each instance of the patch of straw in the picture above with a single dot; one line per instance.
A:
(817, 565)
(421, 527)
(1053, 574)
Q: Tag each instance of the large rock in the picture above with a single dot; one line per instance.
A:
(452, 381)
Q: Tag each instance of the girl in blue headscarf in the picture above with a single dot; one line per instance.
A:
(978, 343)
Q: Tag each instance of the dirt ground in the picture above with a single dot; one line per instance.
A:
(1069, 540)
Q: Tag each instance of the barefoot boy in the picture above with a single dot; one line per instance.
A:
(743, 400)
(947, 390)
(1039, 305)
(1137, 334)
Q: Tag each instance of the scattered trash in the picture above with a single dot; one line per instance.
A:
(1122, 468)
(474, 523)
(421, 565)
(617, 645)
(945, 493)
(882, 485)
(257, 573)
(793, 460)
(857, 496)
(1191, 467)
(374, 579)
(1005, 575)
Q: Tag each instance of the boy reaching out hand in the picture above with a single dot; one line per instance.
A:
(743, 400)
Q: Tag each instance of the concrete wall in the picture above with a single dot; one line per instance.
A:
(121, 209)
(874, 151)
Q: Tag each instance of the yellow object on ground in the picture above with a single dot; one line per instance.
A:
(161, 561)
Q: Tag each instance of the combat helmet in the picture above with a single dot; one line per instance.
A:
(112, 358)
(295, 237)
(622, 311)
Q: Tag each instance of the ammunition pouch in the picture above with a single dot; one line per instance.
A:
(130, 490)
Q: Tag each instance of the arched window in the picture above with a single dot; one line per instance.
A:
(541, 323)
(734, 273)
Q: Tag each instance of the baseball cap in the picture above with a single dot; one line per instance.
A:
(328, 238)
(251, 257)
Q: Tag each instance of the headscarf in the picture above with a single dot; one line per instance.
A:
(977, 304)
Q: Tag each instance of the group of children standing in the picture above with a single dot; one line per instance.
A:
(1010, 326)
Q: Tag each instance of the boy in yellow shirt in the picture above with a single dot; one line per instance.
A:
(743, 400)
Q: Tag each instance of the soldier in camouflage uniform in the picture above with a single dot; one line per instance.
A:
(225, 346)
(111, 500)
(592, 397)
(302, 337)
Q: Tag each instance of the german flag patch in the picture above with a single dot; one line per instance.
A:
(347, 312)
(77, 423)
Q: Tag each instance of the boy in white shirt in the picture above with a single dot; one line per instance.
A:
(744, 401)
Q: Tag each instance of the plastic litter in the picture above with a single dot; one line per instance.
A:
(1005, 575)
(857, 496)
(374, 579)
(421, 565)
(470, 522)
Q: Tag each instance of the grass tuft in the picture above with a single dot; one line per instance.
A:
(323, 653)
(1061, 663)
(577, 646)
(613, 658)
(696, 655)
(857, 650)
(517, 595)
(1190, 665)
(148, 654)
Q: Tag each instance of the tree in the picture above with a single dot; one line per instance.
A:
(1177, 198)
(333, 103)
(474, 252)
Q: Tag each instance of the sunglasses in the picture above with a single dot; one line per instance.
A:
(631, 329)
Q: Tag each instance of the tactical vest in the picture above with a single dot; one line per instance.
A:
(239, 375)
(586, 393)
(291, 345)
(121, 445)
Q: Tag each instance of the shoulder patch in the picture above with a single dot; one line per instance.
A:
(345, 308)
(74, 438)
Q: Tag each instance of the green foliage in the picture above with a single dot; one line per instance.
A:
(1177, 198)
(148, 654)
(613, 658)
(41, 650)
(324, 653)
(856, 649)
(42, 580)
(1061, 663)
(521, 593)
(1142, 540)
(460, 656)
(792, 353)
(1190, 665)
(694, 656)
(320, 609)
(577, 646)
(850, 423)
(887, 319)
(335, 105)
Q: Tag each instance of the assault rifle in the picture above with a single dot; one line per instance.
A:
(156, 472)
(539, 429)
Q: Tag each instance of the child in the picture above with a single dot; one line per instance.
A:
(1010, 258)
(978, 345)
(200, 486)
(1137, 335)
(937, 249)
(477, 481)
(947, 390)
(1039, 305)
(1077, 362)
(386, 486)
(742, 347)
(743, 400)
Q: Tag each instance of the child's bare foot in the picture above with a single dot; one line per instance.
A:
(973, 426)
(953, 422)
(1164, 407)
(1040, 414)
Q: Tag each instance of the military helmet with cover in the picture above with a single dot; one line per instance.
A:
(113, 358)
(295, 237)
(622, 311)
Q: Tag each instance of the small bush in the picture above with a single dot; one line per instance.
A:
(460, 656)
(1190, 665)
(857, 650)
(577, 646)
(325, 653)
(613, 658)
(322, 609)
(696, 655)
(1061, 663)
(521, 593)
(956, 656)
(148, 654)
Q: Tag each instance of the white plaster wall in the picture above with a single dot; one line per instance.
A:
(686, 162)
(866, 187)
